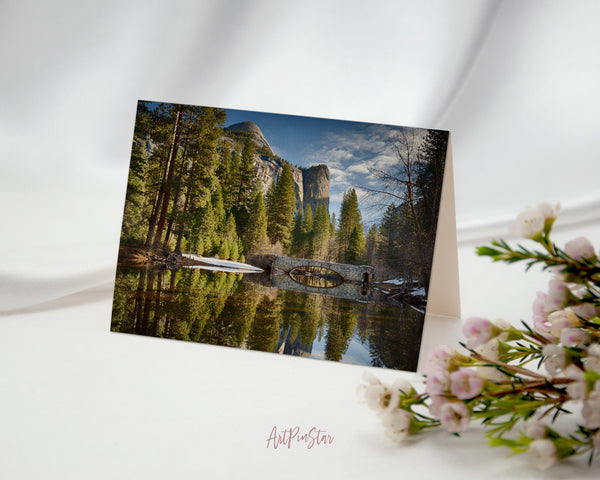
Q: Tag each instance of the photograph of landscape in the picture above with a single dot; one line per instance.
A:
(293, 235)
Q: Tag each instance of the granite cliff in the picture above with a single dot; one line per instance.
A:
(311, 184)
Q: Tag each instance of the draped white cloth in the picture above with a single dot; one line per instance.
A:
(515, 82)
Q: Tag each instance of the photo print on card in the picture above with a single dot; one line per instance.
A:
(277, 233)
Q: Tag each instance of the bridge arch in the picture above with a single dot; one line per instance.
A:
(353, 273)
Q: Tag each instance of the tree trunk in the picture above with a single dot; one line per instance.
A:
(167, 185)
(174, 213)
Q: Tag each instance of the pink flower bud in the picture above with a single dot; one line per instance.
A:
(561, 320)
(557, 295)
(543, 453)
(477, 331)
(573, 337)
(455, 416)
(437, 382)
(436, 404)
(580, 248)
(396, 424)
(464, 383)
(535, 428)
(556, 359)
(440, 356)
(591, 410)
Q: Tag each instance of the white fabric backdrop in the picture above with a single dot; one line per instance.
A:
(515, 82)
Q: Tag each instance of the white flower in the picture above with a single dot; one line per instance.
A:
(437, 382)
(557, 297)
(594, 349)
(592, 361)
(364, 392)
(477, 331)
(401, 385)
(577, 389)
(378, 397)
(561, 320)
(591, 409)
(436, 404)
(556, 359)
(440, 356)
(465, 383)
(455, 416)
(580, 248)
(550, 212)
(529, 223)
(584, 310)
(573, 337)
(370, 379)
(502, 324)
(490, 350)
(396, 424)
(596, 441)
(535, 428)
(543, 453)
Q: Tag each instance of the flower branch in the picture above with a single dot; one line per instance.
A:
(492, 382)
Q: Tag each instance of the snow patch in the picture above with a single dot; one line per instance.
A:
(394, 281)
(218, 264)
(419, 292)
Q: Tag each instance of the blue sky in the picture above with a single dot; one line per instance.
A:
(349, 149)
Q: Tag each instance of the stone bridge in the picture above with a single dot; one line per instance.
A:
(349, 291)
(355, 286)
(350, 273)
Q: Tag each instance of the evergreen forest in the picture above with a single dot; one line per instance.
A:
(192, 188)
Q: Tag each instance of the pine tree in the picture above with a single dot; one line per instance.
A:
(256, 235)
(371, 244)
(320, 232)
(350, 217)
(281, 207)
(243, 193)
(356, 244)
(307, 232)
(133, 230)
(297, 236)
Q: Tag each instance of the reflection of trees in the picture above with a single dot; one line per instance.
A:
(299, 326)
(232, 325)
(341, 323)
(221, 309)
(169, 304)
(264, 332)
(396, 344)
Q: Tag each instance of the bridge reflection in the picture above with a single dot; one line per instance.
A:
(349, 291)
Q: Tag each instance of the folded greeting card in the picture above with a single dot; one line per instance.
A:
(303, 236)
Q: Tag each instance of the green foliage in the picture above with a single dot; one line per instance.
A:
(320, 232)
(356, 244)
(256, 234)
(349, 221)
(281, 206)
(134, 228)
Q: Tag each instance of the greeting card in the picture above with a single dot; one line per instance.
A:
(303, 236)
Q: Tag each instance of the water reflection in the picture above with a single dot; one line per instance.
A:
(246, 311)
(316, 277)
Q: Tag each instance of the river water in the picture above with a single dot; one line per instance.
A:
(247, 311)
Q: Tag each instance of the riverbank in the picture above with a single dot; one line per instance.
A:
(140, 257)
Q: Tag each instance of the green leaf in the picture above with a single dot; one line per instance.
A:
(488, 251)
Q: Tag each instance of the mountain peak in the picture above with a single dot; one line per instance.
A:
(257, 136)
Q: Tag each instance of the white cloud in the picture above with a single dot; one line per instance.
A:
(360, 168)
(338, 176)
(337, 197)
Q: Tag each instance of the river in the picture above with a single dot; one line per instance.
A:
(247, 311)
